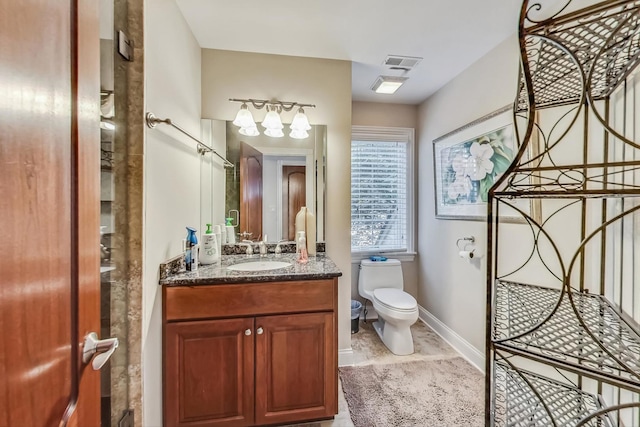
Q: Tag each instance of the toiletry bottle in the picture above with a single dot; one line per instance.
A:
(310, 232)
(210, 252)
(219, 238)
(223, 234)
(301, 221)
(185, 252)
(231, 232)
(195, 257)
(302, 255)
(191, 253)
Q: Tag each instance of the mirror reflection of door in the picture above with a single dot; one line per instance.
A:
(250, 192)
(294, 190)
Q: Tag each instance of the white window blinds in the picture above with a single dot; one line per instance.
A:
(380, 190)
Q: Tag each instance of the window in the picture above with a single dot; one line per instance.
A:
(381, 190)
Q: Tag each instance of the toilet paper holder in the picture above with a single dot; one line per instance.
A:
(464, 242)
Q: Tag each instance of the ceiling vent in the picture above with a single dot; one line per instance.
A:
(401, 62)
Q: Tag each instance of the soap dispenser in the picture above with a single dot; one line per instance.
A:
(231, 232)
(210, 252)
(301, 248)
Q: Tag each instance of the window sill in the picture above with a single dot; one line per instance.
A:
(356, 257)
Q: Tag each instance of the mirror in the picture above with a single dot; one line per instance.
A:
(272, 179)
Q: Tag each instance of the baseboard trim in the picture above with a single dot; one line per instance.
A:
(462, 346)
(345, 357)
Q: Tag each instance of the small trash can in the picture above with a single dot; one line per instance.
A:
(356, 308)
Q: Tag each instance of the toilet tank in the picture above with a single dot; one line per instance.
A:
(379, 274)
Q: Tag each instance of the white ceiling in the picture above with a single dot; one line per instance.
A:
(449, 34)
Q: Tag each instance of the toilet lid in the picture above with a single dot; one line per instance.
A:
(395, 299)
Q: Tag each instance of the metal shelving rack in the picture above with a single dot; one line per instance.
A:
(563, 300)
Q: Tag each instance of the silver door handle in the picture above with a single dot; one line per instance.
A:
(103, 349)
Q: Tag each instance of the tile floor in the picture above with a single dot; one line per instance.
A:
(369, 350)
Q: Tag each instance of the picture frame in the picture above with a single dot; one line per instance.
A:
(468, 161)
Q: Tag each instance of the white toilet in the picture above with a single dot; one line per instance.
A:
(381, 283)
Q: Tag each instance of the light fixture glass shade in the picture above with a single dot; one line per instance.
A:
(299, 134)
(244, 118)
(274, 133)
(272, 120)
(300, 121)
(250, 131)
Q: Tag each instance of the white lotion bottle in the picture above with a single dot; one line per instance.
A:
(223, 234)
(217, 231)
(210, 253)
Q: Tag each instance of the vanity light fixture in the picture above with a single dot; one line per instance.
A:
(300, 121)
(300, 125)
(274, 133)
(244, 118)
(299, 134)
(388, 84)
(249, 131)
(272, 121)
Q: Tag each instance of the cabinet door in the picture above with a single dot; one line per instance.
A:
(296, 368)
(209, 373)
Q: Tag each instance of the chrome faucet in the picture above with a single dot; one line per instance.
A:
(278, 249)
(249, 250)
(263, 245)
(245, 235)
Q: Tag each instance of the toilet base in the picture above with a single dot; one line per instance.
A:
(398, 340)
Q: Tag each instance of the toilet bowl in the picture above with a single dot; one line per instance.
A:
(381, 282)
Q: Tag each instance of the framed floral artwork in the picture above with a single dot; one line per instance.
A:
(468, 161)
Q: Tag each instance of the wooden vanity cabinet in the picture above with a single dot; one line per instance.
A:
(208, 372)
(250, 354)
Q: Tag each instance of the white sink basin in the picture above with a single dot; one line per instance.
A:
(258, 265)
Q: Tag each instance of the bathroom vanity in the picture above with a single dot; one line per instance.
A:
(244, 348)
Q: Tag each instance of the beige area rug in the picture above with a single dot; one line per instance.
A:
(368, 349)
(435, 393)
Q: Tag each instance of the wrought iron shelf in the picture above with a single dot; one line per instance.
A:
(585, 61)
(559, 193)
(602, 41)
(580, 332)
(527, 399)
(590, 180)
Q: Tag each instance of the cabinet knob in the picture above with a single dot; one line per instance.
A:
(259, 331)
(247, 332)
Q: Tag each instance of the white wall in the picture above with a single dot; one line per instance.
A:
(171, 173)
(388, 115)
(451, 289)
(323, 82)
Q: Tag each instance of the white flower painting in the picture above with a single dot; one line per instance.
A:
(469, 169)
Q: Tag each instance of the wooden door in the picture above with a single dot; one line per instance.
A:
(296, 377)
(250, 191)
(294, 196)
(208, 373)
(49, 214)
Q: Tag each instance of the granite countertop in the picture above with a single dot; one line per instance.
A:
(318, 267)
